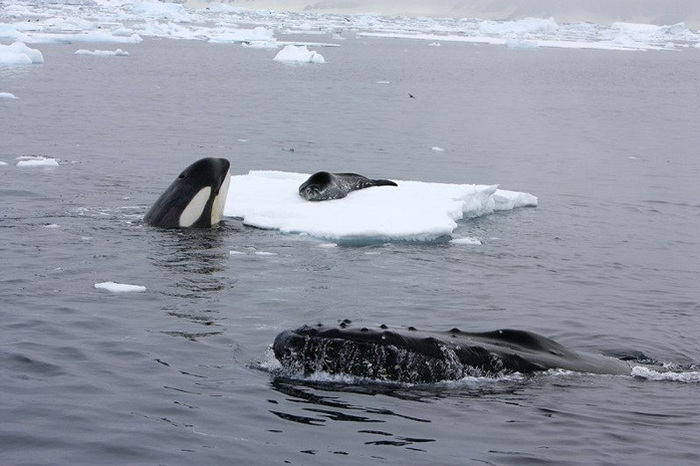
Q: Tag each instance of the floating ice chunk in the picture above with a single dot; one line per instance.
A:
(9, 32)
(435, 44)
(7, 95)
(301, 54)
(258, 35)
(36, 161)
(84, 37)
(3, 164)
(19, 54)
(52, 225)
(122, 32)
(383, 82)
(260, 44)
(515, 42)
(215, 7)
(466, 240)
(508, 200)
(119, 287)
(412, 211)
(103, 53)
(437, 149)
(159, 10)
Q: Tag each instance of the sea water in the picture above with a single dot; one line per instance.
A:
(181, 372)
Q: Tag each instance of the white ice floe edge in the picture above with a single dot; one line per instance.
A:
(119, 287)
(7, 95)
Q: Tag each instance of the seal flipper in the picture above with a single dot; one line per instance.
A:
(383, 183)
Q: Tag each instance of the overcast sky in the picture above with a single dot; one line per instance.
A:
(603, 11)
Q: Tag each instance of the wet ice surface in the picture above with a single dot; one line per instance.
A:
(181, 373)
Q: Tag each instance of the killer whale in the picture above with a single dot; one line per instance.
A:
(195, 199)
(323, 186)
(413, 356)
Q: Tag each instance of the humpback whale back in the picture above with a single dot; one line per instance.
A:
(424, 357)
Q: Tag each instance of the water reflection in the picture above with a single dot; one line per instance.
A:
(318, 409)
(192, 262)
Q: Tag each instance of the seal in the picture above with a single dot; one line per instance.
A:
(323, 186)
(195, 199)
(413, 356)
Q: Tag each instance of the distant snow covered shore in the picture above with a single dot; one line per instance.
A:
(121, 21)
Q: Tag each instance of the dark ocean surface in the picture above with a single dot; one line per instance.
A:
(609, 262)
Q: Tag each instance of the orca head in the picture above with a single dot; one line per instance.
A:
(195, 199)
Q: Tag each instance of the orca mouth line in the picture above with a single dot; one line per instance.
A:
(413, 356)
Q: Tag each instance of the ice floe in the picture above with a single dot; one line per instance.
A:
(119, 287)
(36, 161)
(7, 95)
(19, 53)
(412, 211)
(300, 54)
(258, 35)
(103, 53)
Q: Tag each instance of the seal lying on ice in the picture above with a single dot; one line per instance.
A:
(323, 186)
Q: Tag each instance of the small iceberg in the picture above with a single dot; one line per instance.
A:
(103, 53)
(301, 54)
(19, 54)
(119, 287)
(36, 161)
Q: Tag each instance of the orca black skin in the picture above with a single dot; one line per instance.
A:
(324, 186)
(195, 199)
(412, 356)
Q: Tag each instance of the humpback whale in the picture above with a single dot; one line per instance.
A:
(323, 186)
(413, 356)
(195, 199)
